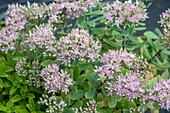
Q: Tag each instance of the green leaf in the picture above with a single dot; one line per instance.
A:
(8, 84)
(90, 94)
(132, 104)
(110, 43)
(81, 79)
(119, 38)
(16, 98)
(31, 102)
(24, 88)
(73, 89)
(100, 104)
(2, 107)
(31, 108)
(11, 78)
(37, 106)
(99, 97)
(151, 35)
(77, 96)
(76, 72)
(46, 62)
(125, 103)
(1, 83)
(126, 111)
(112, 102)
(97, 31)
(3, 75)
(77, 104)
(67, 100)
(13, 90)
(133, 38)
(141, 24)
(84, 66)
(92, 78)
(91, 23)
(38, 90)
(8, 69)
(131, 30)
(30, 95)
(125, 33)
(165, 75)
(9, 104)
(81, 19)
(158, 45)
(166, 52)
(118, 98)
(94, 13)
(129, 47)
(68, 110)
(139, 45)
(86, 85)
(139, 28)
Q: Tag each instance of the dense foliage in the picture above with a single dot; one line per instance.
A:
(96, 64)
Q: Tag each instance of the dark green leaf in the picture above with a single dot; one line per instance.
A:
(112, 102)
(81, 79)
(99, 97)
(78, 104)
(46, 62)
(68, 110)
(67, 100)
(91, 23)
(100, 105)
(94, 13)
(118, 98)
(24, 88)
(30, 95)
(12, 90)
(76, 72)
(84, 66)
(16, 98)
(133, 38)
(1, 83)
(90, 94)
(77, 96)
(110, 43)
(125, 33)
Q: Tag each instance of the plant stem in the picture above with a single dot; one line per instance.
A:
(155, 55)
(123, 43)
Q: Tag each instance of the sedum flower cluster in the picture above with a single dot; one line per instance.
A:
(71, 8)
(52, 104)
(42, 36)
(115, 61)
(120, 13)
(17, 17)
(91, 107)
(133, 86)
(165, 23)
(30, 71)
(56, 79)
(77, 45)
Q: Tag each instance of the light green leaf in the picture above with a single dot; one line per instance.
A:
(151, 35)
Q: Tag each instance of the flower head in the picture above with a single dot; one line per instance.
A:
(56, 79)
(78, 44)
(123, 12)
(165, 23)
(53, 105)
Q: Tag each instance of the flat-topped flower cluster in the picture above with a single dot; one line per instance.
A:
(120, 13)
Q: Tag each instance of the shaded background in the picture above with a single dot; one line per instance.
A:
(156, 9)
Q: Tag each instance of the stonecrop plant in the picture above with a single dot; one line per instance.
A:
(93, 64)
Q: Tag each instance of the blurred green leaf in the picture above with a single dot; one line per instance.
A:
(90, 94)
